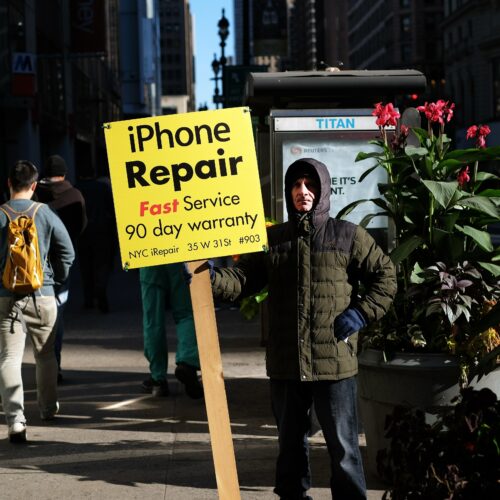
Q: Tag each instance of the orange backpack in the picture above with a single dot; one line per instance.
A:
(23, 272)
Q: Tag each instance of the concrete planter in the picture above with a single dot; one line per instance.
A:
(426, 381)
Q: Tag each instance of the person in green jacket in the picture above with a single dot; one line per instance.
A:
(159, 283)
(314, 268)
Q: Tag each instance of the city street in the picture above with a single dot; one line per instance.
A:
(113, 441)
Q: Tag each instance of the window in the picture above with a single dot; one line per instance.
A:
(406, 27)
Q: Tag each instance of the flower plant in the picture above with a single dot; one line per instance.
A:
(440, 204)
(458, 456)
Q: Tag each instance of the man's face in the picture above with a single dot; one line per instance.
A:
(304, 192)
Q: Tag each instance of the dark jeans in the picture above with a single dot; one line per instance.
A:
(335, 405)
(61, 300)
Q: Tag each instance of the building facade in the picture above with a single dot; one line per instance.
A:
(471, 32)
(398, 34)
(59, 80)
(177, 57)
(140, 65)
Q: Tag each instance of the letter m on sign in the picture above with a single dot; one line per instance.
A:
(23, 63)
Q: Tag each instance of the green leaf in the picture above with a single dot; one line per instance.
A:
(482, 176)
(367, 218)
(481, 204)
(492, 268)
(405, 248)
(373, 154)
(368, 172)
(349, 208)
(416, 274)
(474, 154)
(491, 193)
(421, 134)
(413, 151)
(482, 238)
(261, 296)
(447, 243)
(443, 192)
(450, 165)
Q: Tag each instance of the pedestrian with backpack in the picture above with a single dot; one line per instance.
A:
(36, 254)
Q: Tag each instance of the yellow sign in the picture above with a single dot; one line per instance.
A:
(185, 187)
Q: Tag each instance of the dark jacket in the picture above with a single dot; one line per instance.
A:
(313, 268)
(67, 202)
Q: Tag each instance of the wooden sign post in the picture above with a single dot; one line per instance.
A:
(213, 382)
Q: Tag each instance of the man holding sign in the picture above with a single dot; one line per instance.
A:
(313, 269)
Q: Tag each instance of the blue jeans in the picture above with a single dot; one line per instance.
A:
(335, 404)
(61, 300)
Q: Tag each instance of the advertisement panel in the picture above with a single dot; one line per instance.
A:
(339, 157)
(185, 187)
(334, 137)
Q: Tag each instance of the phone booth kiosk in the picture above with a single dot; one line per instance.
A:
(326, 116)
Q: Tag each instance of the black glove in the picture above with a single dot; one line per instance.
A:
(187, 273)
(347, 323)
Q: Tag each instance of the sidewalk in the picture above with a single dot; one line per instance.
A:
(112, 441)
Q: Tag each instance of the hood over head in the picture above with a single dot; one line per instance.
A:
(313, 168)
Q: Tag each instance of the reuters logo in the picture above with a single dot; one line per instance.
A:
(296, 150)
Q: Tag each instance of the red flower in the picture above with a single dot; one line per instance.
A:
(437, 111)
(484, 130)
(463, 177)
(479, 132)
(471, 132)
(386, 115)
(448, 111)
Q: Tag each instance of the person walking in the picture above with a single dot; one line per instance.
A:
(160, 284)
(98, 243)
(314, 268)
(67, 201)
(35, 313)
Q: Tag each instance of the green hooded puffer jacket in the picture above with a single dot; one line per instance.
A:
(313, 268)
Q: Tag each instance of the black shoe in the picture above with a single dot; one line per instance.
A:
(147, 385)
(188, 375)
(155, 387)
(160, 389)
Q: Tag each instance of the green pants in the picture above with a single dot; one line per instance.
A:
(160, 284)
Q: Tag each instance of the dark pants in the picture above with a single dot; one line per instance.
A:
(335, 405)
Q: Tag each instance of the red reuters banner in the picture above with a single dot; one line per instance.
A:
(88, 26)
